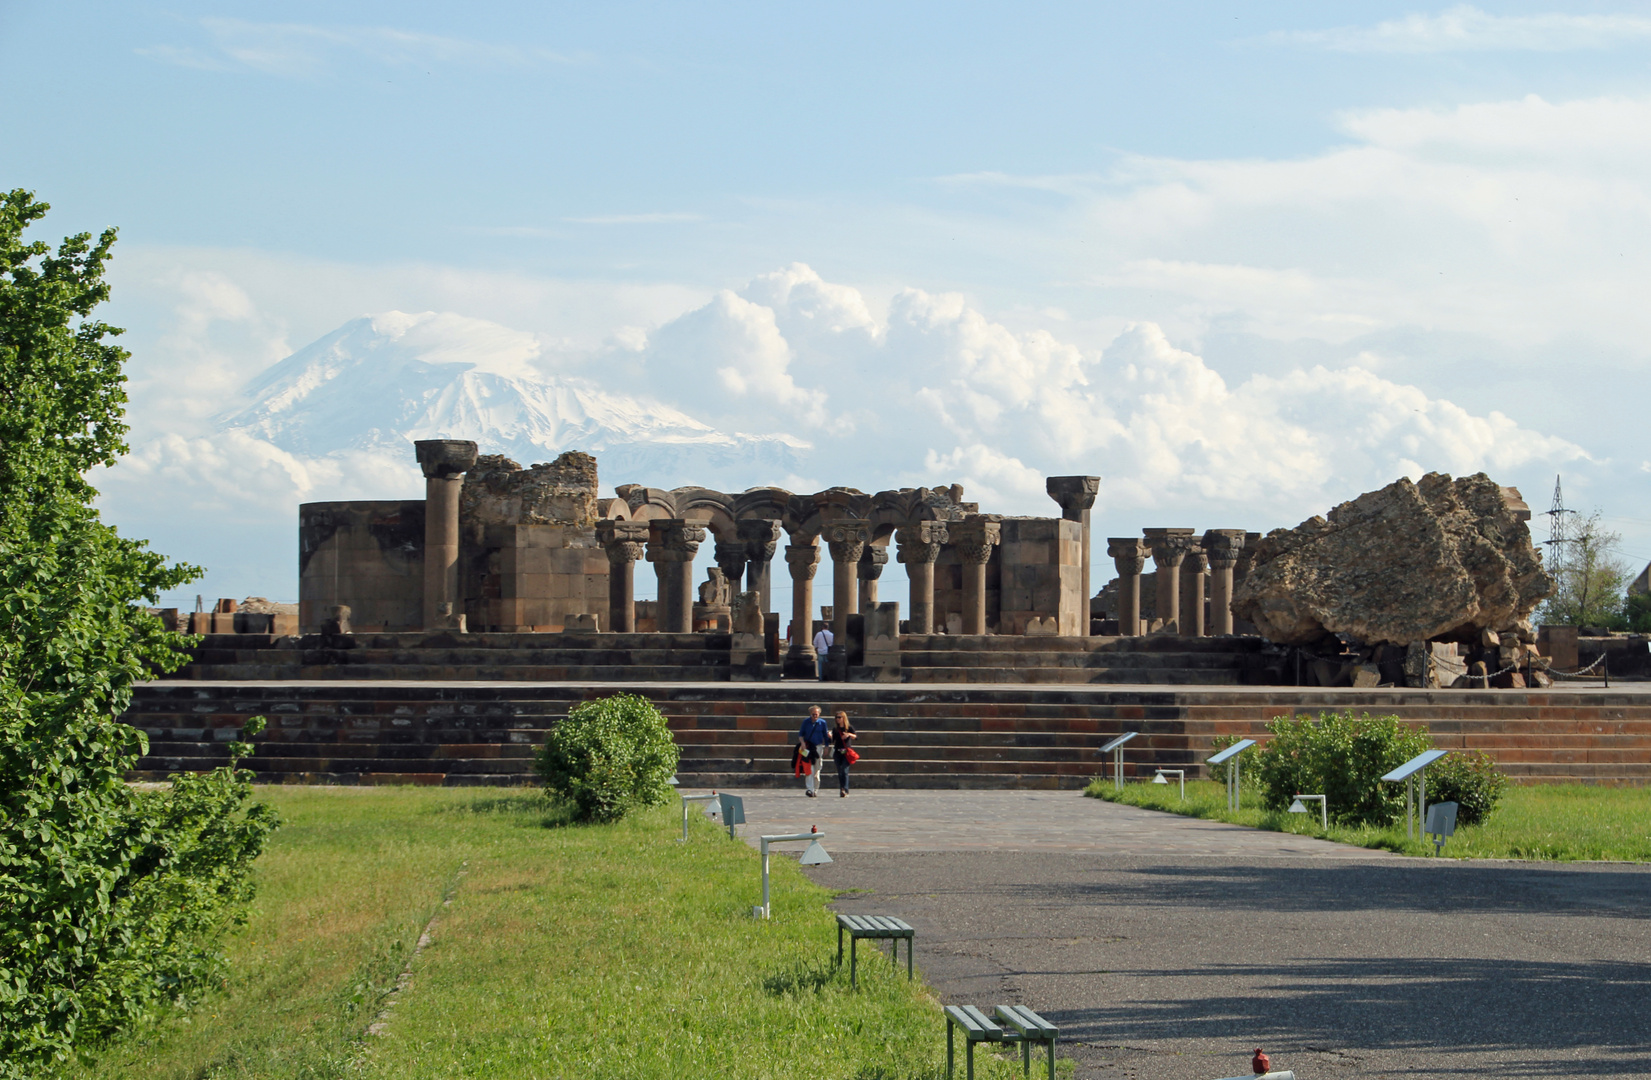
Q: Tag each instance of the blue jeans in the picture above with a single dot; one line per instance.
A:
(842, 773)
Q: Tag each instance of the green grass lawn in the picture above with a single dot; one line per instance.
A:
(1558, 822)
(565, 951)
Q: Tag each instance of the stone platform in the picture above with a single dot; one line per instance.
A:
(737, 735)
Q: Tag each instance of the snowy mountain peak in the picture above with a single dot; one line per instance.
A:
(380, 382)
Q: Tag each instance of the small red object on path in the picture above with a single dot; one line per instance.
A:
(1261, 1063)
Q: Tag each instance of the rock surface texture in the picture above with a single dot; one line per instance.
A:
(1441, 559)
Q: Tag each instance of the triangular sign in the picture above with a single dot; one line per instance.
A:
(1297, 808)
(815, 855)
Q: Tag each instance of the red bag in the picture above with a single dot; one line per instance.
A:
(850, 755)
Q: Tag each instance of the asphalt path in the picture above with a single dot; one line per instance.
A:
(1168, 949)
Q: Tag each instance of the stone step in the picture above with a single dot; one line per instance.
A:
(1164, 676)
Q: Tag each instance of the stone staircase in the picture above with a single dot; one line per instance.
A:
(445, 656)
(1155, 660)
(739, 735)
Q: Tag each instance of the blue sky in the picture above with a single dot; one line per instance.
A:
(1445, 209)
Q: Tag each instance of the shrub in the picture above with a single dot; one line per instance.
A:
(1343, 758)
(1471, 781)
(609, 756)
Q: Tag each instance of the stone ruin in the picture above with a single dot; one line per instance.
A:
(496, 547)
(1383, 590)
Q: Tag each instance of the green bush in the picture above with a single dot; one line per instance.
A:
(1341, 757)
(1471, 781)
(609, 756)
(1637, 612)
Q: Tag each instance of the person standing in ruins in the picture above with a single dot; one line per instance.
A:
(842, 750)
(811, 737)
(822, 645)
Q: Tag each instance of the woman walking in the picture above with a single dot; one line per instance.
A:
(842, 745)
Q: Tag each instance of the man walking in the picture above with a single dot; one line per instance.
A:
(810, 738)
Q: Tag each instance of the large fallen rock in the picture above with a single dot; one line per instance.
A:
(1440, 560)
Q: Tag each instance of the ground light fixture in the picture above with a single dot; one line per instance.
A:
(1231, 754)
(1116, 749)
(814, 855)
(1181, 775)
(686, 799)
(1300, 807)
(1414, 775)
(1441, 824)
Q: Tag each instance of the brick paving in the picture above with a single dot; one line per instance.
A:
(1168, 949)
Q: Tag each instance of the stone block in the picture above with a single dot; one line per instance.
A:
(581, 623)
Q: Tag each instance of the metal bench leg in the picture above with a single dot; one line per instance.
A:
(1026, 1057)
(853, 962)
(970, 1057)
(1052, 1060)
(909, 943)
(949, 1027)
(839, 946)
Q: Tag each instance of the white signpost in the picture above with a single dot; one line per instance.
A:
(1116, 749)
(1231, 754)
(814, 855)
(1414, 775)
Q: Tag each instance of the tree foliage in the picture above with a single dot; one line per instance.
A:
(113, 900)
(1590, 578)
(609, 756)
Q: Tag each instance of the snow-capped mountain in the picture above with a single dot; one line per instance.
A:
(379, 383)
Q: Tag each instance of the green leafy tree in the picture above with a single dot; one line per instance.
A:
(1590, 578)
(609, 756)
(113, 900)
(1638, 612)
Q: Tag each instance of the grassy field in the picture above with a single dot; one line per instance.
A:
(1560, 822)
(564, 951)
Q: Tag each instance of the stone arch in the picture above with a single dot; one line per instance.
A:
(712, 507)
(646, 503)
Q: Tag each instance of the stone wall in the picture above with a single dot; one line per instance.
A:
(368, 556)
(1040, 573)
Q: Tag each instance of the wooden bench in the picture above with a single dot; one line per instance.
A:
(873, 926)
(1018, 1024)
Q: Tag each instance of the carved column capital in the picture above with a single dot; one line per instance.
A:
(1075, 494)
(1128, 554)
(847, 539)
(1224, 546)
(1169, 546)
(802, 560)
(872, 562)
(974, 537)
(445, 458)
(920, 543)
(730, 556)
(622, 540)
(674, 540)
(1194, 561)
(760, 537)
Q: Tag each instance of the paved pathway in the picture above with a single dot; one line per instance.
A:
(1168, 949)
(1046, 821)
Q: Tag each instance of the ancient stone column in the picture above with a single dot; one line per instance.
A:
(1169, 547)
(871, 568)
(1129, 555)
(444, 461)
(1076, 494)
(622, 540)
(1193, 567)
(847, 539)
(1223, 547)
(760, 538)
(919, 547)
(672, 545)
(974, 537)
(730, 555)
(802, 558)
